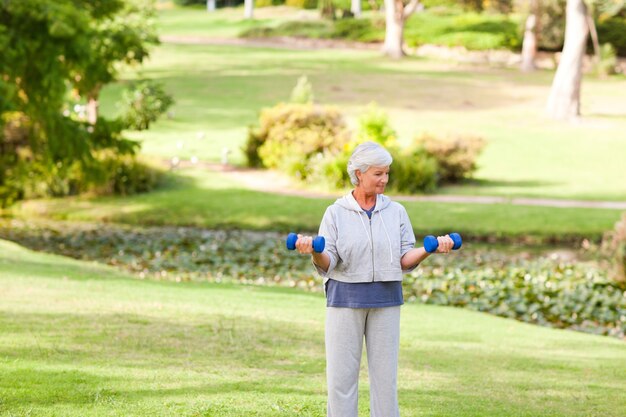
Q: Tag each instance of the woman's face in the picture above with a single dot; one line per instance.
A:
(374, 179)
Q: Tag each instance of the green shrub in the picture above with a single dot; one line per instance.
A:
(126, 175)
(352, 29)
(302, 93)
(613, 31)
(290, 134)
(144, 103)
(455, 155)
(614, 245)
(607, 65)
(314, 29)
(541, 291)
(374, 126)
(412, 171)
(302, 4)
(26, 174)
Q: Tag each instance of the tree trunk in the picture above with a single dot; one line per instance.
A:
(530, 42)
(594, 36)
(92, 106)
(394, 29)
(248, 9)
(529, 45)
(564, 99)
(355, 8)
(210, 5)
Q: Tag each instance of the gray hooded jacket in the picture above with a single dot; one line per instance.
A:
(362, 249)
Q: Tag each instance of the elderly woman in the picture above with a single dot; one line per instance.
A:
(369, 245)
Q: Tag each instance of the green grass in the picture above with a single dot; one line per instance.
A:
(213, 200)
(224, 23)
(80, 339)
(219, 91)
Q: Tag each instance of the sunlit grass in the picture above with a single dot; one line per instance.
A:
(213, 200)
(220, 90)
(80, 339)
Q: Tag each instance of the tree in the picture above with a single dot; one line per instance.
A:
(530, 42)
(564, 99)
(248, 9)
(396, 13)
(355, 8)
(50, 48)
(123, 37)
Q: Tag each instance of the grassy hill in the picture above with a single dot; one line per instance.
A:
(81, 339)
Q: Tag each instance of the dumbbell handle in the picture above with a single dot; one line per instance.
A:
(318, 243)
(431, 243)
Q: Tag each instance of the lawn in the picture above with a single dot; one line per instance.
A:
(220, 89)
(215, 200)
(81, 339)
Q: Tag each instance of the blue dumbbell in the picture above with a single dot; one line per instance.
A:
(318, 243)
(431, 243)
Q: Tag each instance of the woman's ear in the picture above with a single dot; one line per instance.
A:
(358, 174)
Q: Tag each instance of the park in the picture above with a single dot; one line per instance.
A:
(156, 155)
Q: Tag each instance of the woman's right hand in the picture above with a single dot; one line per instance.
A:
(304, 244)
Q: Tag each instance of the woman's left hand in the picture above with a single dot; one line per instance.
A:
(445, 244)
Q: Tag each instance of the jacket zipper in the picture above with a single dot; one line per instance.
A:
(372, 246)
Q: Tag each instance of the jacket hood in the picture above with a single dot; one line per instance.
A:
(349, 202)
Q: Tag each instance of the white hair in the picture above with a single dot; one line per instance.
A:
(366, 155)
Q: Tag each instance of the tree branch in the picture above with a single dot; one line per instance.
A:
(412, 7)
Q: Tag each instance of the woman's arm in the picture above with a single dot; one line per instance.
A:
(415, 256)
(304, 244)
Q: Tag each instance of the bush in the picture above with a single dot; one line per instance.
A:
(412, 171)
(614, 246)
(608, 61)
(302, 4)
(314, 29)
(302, 93)
(144, 103)
(613, 31)
(126, 175)
(455, 156)
(290, 134)
(542, 291)
(352, 29)
(25, 174)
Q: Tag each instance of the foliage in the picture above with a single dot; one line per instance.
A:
(455, 155)
(544, 290)
(607, 64)
(302, 93)
(143, 103)
(48, 48)
(614, 246)
(412, 170)
(353, 29)
(374, 126)
(290, 134)
(613, 31)
(471, 30)
(302, 4)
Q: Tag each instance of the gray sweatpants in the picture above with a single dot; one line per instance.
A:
(345, 328)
